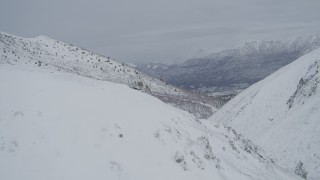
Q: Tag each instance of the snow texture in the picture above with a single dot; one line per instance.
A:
(58, 125)
(44, 52)
(281, 114)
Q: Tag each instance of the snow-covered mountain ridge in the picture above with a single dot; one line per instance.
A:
(45, 52)
(58, 125)
(232, 70)
(281, 114)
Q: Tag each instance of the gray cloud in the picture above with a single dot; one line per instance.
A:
(164, 31)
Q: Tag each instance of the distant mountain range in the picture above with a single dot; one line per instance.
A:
(44, 52)
(232, 70)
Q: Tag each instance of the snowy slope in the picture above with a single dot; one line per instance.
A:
(48, 53)
(282, 114)
(57, 125)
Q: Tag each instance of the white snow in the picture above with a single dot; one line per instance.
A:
(281, 113)
(57, 125)
(47, 53)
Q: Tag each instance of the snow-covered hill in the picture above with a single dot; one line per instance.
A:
(232, 70)
(58, 125)
(47, 53)
(282, 114)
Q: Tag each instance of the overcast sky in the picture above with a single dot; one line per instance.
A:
(159, 30)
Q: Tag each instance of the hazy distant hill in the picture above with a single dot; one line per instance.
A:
(232, 70)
